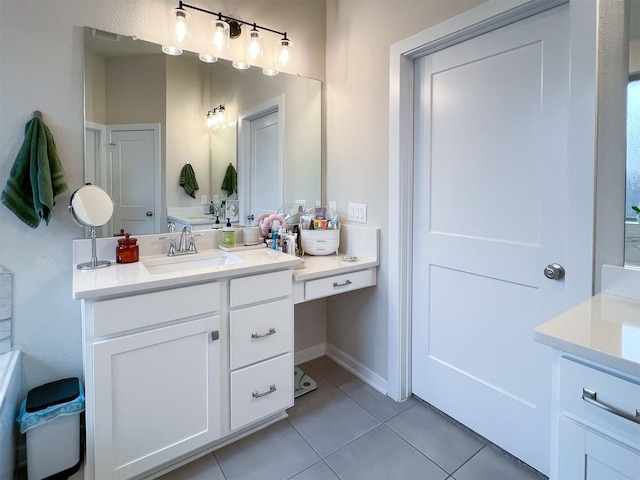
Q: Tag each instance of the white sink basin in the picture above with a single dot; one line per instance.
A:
(194, 261)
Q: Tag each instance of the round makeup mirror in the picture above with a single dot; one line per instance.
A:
(91, 207)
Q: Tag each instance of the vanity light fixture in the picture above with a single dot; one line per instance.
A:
(223, 29)
(216, 117)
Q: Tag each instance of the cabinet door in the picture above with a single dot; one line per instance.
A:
(586, 454)
(157, 396)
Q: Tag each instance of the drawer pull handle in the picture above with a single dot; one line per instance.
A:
(261, 335)
(343, 284)
(257, 394)
(591, 397)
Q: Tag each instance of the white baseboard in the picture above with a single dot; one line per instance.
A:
(310, 353)
(363, 373)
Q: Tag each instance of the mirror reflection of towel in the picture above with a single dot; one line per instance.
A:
(36, 177)
(188, 180)
(230, 182)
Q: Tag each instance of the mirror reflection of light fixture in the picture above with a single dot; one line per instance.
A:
(216, 117)
(222, 29)
(207, 58)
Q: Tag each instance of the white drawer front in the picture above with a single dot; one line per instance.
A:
(261, 390)
(260, 332)
(259, 288)
(621, 394)
(346, 282)
(147, 309)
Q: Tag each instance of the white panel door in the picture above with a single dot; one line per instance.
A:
(267, 169)
(490, 211)
(135, 160)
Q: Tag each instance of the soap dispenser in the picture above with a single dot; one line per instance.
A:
(228, 235)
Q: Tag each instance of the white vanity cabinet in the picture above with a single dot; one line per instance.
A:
(261, 346)
(153, 378)
(597, 429)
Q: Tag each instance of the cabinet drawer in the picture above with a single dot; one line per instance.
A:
(260, 332)
(617, 392)
(258, 288)
(147, 309)
(261, 390)
(346, 282)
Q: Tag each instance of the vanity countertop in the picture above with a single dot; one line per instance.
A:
(322, 266)
(604, 329)
(120, 278)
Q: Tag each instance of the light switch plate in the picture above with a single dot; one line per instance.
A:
(333, 207)
(358, 212)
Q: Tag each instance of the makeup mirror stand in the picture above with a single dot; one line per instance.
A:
(94, 262)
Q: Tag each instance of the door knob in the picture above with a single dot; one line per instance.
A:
(149, 214)
(250, 217)
(554, 271)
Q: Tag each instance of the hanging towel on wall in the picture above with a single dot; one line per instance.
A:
(36, 177)
(188, 180)
(230, 182)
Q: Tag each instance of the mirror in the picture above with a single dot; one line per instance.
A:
(144, 105)
(91, 207)
(632, 224)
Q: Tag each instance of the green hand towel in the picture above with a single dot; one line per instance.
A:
(36, 177)
(230, 182)
(188, 180)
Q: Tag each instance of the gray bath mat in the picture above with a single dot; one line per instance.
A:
(302, 382)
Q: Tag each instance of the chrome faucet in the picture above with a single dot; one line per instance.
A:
(185, 247)
(186, 233)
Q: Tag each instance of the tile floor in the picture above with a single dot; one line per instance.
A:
(347, 430)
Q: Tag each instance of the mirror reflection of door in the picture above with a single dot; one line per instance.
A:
(135, 159)
(260, 155)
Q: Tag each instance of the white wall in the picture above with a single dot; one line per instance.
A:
(41, 68)
(359, 36)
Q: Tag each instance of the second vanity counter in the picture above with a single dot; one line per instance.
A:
(595, 400)
(604, 329)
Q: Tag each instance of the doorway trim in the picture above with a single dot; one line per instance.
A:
(582, 142)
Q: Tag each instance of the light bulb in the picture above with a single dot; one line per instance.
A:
(254, 48)
(220, 35)
(284, 56)
(181, 29)
(181, 26)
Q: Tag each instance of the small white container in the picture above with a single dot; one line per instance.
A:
(320, 242)
(250, 235)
